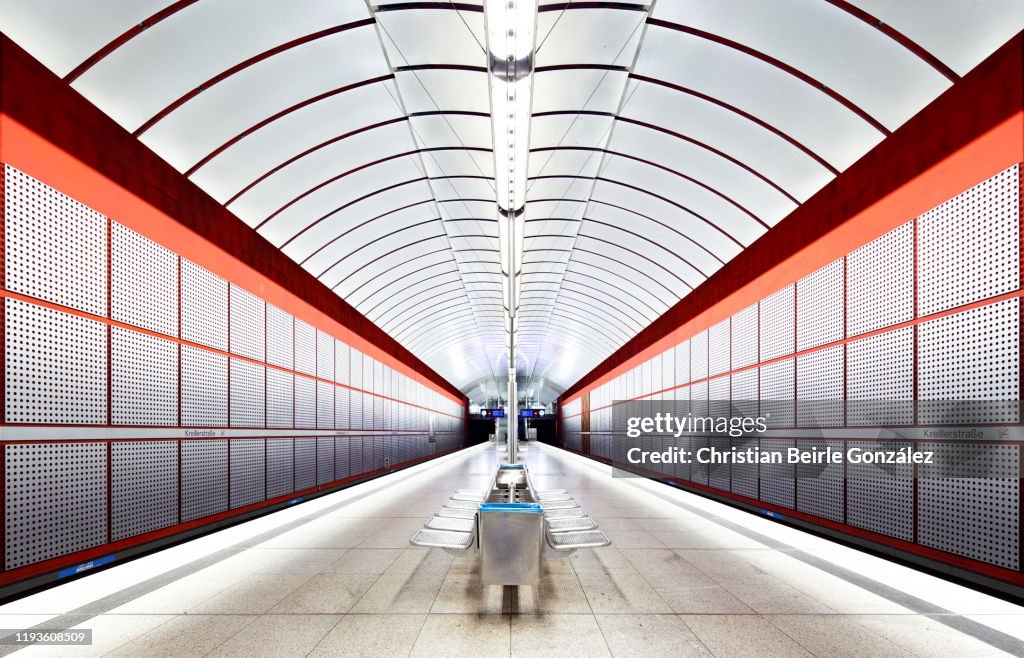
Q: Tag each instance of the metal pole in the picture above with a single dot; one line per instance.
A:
(512, 412)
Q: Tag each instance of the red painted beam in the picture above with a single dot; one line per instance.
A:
(969, 133)
(55, 134)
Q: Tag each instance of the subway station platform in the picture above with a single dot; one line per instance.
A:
(685, 576)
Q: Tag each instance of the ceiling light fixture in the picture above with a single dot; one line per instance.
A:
(511, 27)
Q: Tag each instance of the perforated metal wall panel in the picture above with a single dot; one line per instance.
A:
(355, 455)
(719, 394)
(144, 379)
(699, 395)
(668, 369)
(369, 368)
(880, 497)
(819, 487)
(778, 393)
(305, 462)
(355, 410)
(819, 307)
(248, 472)
(378, 377)
(280, 338)
(280, 467)
(342, 404)
(881, 369)
(248, 392)
(880, 282)
(699, 356)
(355, 368)
(55, 248)
(720, 475)
(698, 472)
(820, 378)
(378, 452)
(324, 460)
(341, 366)
(305, 347)
(144, 282)
(744, 343)
(984, 223)
(744, 386)
(369, 421)
(324, 405)
(342, 460)
(324, 356)
(778, 323)
(973, 355)
(143, 487)
(55, 497)
(744, 476)
(204, 306)
(204, 388)
(204, 478)
(280, 398)
(778, 484)
(976, 513)
(248, 323)
(719, 350)
(55, 367)
(682, 375)
(305, 402)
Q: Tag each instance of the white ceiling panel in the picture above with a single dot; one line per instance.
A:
(661, 146)
(181, 52)
(274, 144)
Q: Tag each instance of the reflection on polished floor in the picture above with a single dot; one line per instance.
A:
(684, 576)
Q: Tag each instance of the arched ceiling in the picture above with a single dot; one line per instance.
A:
(665, 139)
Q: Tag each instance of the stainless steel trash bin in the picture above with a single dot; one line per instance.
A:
(511, 543)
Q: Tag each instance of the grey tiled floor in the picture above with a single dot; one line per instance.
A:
(345, 582)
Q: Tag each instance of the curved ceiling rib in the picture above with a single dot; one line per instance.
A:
(666, 137)
(768, 59)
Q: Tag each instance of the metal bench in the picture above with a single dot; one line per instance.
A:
(510, 525)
